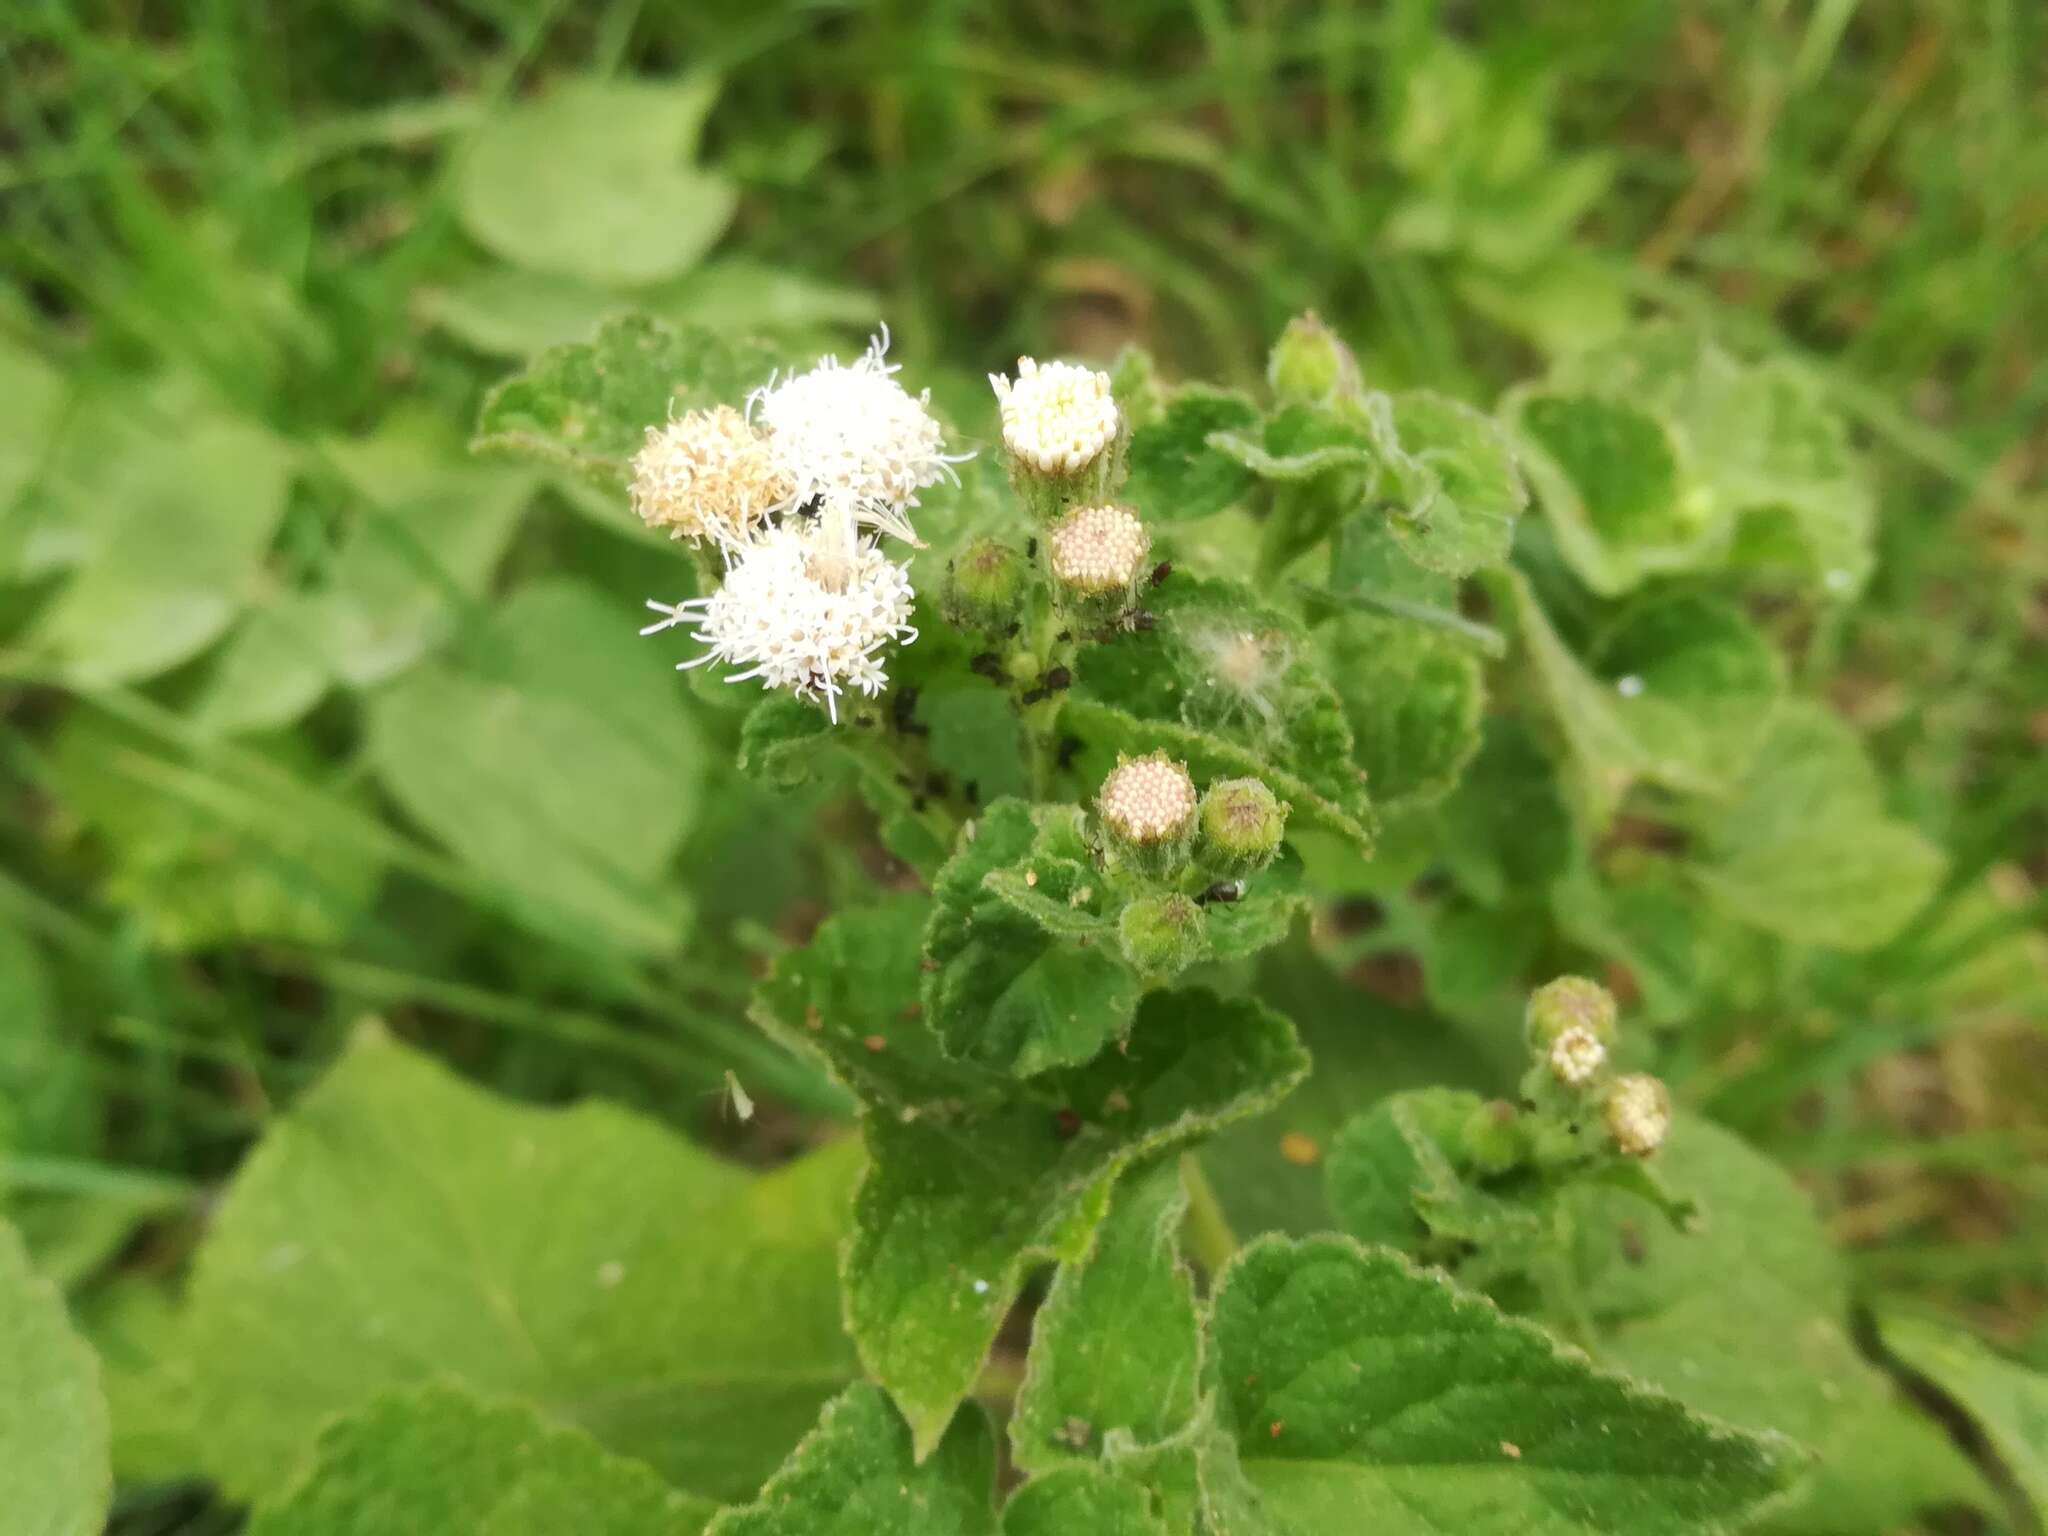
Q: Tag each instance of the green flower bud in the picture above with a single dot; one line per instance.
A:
(985, 587)
(1309, 365)
(1242, 823)
(1161, 935)
(1494, 1137)
(1569, 1001)
(1147, 806)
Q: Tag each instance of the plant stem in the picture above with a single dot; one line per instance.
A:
(1207, 1229)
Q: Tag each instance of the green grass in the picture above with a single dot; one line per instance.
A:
(254, 216)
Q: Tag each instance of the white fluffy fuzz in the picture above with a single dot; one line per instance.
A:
(797, 614)
(849, 437)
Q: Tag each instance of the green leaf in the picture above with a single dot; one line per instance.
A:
(1362, 1393)
(510, 312)
(180, 559)
(270, 673)
(2006, 1401)
(1611, 480)
(1695, 683)
(1176, 473)
(1504, 832)
(1081, 1501)
(429, 527)
(973, 1175)
(1452, 478)
(1299, 442)
(35, 393)
(588, 181)
(975, 737)
(437, 1458)
(1413, 697)
(54, 1475)
(857, 1473)
(1806, 849)
(1744, 1316)
(200, 861)
(554, 755)
(1232, 688)
(1807, 506)
(1022, 980)
(399, 1226)
(785, 740)
(1117, 1347)
(1370, 571)
(588, 408)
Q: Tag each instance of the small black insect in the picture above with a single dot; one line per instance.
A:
(1069, 746)
(989, 665)
(1031, 549)
(903, 713)
(1161, 571)
(1224, 891)
(1034, 695)
(1059, 679)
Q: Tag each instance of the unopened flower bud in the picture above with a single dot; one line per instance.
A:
(1161, 935)
(1638, 1114)
(1558, 1005)
(1063, 432)
(1494, 1137)
(1242, 823)
(708, 475)
(985, 586)
(1097, 555)
(1575, 1055)
(1309, 365)
(1147, 806)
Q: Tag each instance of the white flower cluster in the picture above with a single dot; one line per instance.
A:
(1638, 1114)
(1057, 417)
(810, 602)
(1148, 799)
(1099, 549)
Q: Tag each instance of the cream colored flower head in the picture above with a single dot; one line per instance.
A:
(1058, 418)
(1148, 799)
(1638, 1114)
(707, 475)
(802, 614)
(852, 439)
(1099, 549)
(1575, 1055)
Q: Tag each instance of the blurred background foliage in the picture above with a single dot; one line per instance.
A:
(305, 713)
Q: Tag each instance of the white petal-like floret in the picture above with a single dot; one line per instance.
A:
(1099, 549)
(1638, 1114)
(1057, 417)
(852, 439)
(707, 475)
(1575, 1055)
(1148, 799)
(795, 616)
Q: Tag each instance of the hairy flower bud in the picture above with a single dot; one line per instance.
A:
(985, 586)
(1161, 935)
(1147, 806)
(1063, 432)
(1097, 555)
(1638, 1114)
(708, 475)
(1308, 364)
(1242, 823)
(1559, 1005)
(1494, 1137)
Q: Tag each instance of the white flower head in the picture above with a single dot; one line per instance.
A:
(1148, 799)
(1638, 1114)
(799, 611)
(851, 438)
(1575, 1055)
(1099, 549)
(1058, 418)
(707, 475)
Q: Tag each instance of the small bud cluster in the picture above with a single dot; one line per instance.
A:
(1571, 1026)
(809, 602)
(1183, 850)
(1099, 550)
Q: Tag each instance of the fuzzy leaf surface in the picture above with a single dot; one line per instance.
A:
(400, 1226)
(1359, 1391)
(55, 1479)
(437, 1458)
